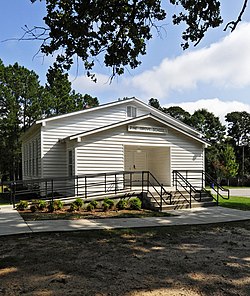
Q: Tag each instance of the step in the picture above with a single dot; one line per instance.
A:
(186, 206)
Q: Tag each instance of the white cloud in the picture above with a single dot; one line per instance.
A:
(225, 64)
(217, 107)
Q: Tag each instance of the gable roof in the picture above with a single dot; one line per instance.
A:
(78, 136)
(119, 102)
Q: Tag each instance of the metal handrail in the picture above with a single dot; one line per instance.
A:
(176, 176)
(108, 182)
(214, 185)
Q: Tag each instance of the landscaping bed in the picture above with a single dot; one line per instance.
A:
(41, 210)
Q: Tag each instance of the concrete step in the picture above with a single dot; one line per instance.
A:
(186, 206)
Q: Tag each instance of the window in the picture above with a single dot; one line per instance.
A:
(33, 158)
(37, 172)
(70, 163)
(131, 111)
(30, 159)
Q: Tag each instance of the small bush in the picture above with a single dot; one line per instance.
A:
(73, 207)
(94, 203)
(105, 206)
(22, 205)
(122, 204)
(79, 203)
(33, 208)
(58, 204)
(110, 202)
(135, 203)
(51, 207)
(90, 207)
(41, 205)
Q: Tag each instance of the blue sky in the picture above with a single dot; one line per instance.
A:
(214, 75)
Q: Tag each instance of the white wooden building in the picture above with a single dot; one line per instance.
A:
(125, 135)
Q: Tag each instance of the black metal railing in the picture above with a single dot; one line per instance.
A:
(195, 182)
(88, 186)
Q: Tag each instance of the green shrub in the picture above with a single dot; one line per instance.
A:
(73, 207)
(94, 203)
(122, 204)
(90, 207)
(105, 206)
(79, 203)
(58, 204)
(51, 207)
(42, 204)
(33, 208)
(110, 202)
(22, 205)
(135, 203)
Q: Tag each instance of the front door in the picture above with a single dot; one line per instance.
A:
(136, 160)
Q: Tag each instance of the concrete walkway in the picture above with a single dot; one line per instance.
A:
(12, 223)
(245, 192)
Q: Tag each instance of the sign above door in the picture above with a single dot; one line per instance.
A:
(147, 129)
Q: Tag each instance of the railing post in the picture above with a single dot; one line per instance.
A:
(115, 183)
(124, 180)
(105, 182)
(85, 186)
(161, 197)
(142, 179)
(52, 190)
(190, 192)
(130, 177)
(46, 189)
(77, 184)
(148, 182)
(13, 193)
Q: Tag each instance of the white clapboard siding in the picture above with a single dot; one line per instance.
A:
(54, 152)
(115, 140)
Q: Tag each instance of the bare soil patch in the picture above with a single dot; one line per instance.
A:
(185, 260)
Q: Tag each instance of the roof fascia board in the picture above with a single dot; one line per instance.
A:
(84, 111)
(132, 121)
(168, 116)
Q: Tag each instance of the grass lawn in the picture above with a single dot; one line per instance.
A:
(236, 202)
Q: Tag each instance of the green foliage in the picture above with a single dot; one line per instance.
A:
(178, 113)
(58, 204)
(122, 204)
(109, 202)
(51, 207)
(42, 204)
(117, 31)
(23, 101)
(135, 203)
(22, 205)
(94, 203)
(209, 125)
(79, 202)
(90, 207)
(33, 208)
(73, 207)
(105, 206)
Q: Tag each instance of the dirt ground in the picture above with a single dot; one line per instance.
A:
(184, 260)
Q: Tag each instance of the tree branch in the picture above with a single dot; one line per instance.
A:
(233, 24)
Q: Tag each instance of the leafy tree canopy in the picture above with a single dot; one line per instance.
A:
(118, 30)
(209, 125)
